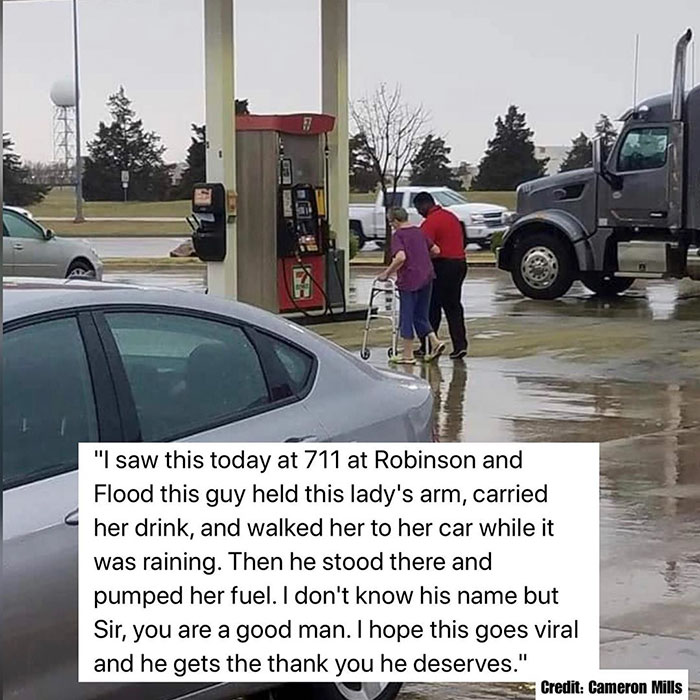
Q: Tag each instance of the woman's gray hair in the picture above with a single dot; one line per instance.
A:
(398, 214)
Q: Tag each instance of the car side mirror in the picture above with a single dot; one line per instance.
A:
(49, 234)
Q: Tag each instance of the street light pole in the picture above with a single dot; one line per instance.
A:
(79, 218)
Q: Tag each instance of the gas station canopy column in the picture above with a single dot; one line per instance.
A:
(219, 62)
(221, 126)
(335, 100)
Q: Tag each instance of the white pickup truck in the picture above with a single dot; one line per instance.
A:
(480, 221)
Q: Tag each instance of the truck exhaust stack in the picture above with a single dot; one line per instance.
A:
(679, 73)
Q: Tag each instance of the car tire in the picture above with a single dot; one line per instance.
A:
(337, 691)
(543, 266)
(354, 691)
(80, 268)
(607, 287)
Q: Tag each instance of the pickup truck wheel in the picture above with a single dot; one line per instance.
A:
(543, 266)
(356, 228)
(610, 287)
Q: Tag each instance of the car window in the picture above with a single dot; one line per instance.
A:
(187, 374)
(19, 226)
(48, 400)
(296, 364)
(643, 149)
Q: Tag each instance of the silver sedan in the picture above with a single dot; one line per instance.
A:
(83, 362)
(30, 250)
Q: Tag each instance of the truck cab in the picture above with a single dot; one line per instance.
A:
(635, 214)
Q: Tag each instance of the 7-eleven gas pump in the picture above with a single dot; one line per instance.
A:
(287, 261)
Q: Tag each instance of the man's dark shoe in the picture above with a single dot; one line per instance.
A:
(458, 354)
(420, 352)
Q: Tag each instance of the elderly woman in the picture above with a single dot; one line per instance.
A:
(411, 251)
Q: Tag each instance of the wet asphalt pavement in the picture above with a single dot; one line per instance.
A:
(625, 373)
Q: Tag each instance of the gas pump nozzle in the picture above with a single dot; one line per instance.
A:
(193, 222)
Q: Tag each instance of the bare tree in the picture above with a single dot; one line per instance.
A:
(392, 132)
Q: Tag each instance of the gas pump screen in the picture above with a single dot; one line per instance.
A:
(202, 196)
(304, 210)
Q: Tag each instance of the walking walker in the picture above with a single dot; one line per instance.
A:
(389, 313)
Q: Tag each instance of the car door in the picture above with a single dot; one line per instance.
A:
(638, 195)
(199, 378)
(8, 254)
(33, 254)
(41, 431)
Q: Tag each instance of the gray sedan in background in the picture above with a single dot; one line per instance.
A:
(86, 362)
(29, 250)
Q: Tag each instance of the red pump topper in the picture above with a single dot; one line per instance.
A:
(299, 196)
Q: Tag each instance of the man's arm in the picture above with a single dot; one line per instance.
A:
(396, 263)
(434, 250)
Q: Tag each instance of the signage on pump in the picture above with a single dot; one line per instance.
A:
(301, 284)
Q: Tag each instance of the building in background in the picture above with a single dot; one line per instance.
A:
(556, 155)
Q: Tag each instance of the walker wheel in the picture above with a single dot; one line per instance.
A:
(364, 353)
(390, 352)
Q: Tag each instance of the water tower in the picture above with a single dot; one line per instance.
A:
(63, 98)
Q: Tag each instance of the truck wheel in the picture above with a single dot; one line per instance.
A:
(543, 267)
(356, 228)
(610, 287)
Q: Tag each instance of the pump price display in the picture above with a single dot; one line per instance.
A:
(202, 197)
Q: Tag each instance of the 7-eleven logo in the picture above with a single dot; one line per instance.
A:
(301, 284)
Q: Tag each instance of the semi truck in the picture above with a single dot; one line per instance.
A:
(634, 215)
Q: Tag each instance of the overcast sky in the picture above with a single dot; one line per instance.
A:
(465, 60)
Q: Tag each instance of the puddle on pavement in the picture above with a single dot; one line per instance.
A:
(650, 474)
(168, 278)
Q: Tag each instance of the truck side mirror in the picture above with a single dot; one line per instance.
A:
(598, 156)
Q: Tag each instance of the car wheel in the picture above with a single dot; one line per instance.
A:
(355, 691)
(607, 287)
(543, 266)
(80, 268)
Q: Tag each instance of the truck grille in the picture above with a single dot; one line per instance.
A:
(493, 219)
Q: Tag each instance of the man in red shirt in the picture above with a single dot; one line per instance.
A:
(445, 231)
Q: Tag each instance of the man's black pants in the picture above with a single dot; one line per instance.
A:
(447, 297)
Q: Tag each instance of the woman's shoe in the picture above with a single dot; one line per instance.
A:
(401, 360)
(435, 353)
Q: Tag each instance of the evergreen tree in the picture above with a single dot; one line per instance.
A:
(363, 174)
(510, 157)
(196, 170)
(431, 165)
(17, 187)
(606, 131)
(125, 145)
(580, 155)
